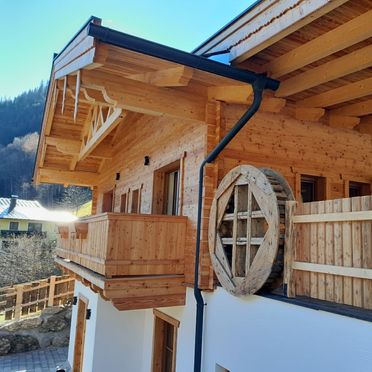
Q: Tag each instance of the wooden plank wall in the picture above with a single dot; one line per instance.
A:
(332, 253)
(294, 147)
(275, 140)
(164, 140)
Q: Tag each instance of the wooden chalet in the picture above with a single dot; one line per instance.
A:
(286, 213)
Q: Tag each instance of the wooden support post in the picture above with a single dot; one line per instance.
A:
(19, 299)
(289, 247)
(52, 287)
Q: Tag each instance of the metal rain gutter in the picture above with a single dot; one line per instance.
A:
(167, 53)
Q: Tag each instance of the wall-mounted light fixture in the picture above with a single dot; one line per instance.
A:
(147, 160)
(88, 314)
(117, 178)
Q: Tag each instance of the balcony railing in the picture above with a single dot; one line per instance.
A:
(329, 250)
(118, 245)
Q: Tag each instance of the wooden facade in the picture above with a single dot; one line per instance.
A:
(117, 120)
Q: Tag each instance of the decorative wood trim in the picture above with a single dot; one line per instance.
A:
(167, 318)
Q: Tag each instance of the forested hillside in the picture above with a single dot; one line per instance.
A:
(21, 115)
(20, 121)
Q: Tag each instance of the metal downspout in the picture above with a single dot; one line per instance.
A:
(258, 87)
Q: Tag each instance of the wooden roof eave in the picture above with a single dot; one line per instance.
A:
(102, 75)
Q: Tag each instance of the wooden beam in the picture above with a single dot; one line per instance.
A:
(64, 145)
(334, 217)
(355, 109)
(349, 33)
(276, 22)
(145, 98)
(172, 77)
(354, 272)
(68, 177)
(240, 94)
(272, 104)
(338, 95)
(108, 124)
(339, 67)
(346, 122)
(309, 113)
(365, 125)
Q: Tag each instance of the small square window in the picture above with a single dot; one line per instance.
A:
(359, 189)
(313, 188)
(13, 226)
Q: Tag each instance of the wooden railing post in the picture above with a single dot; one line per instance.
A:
(52, 286)
(19, 299)
(289, 248)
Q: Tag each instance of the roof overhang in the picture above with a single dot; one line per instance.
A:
(104, 79)
(320, 50)
(262, 24)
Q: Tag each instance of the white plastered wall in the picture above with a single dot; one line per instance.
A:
(252, 334)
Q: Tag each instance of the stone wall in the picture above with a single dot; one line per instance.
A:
(50, 328)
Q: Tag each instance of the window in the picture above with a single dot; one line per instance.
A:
(13, 226)
(165, 342)
(107, 201)
(166, 190)
(34, 227)
(313, 188)
(135, 201)
(123, 203)
(359, 189)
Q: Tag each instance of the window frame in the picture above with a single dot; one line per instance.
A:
(161, 322)
(320, 187)
(34, 230)
(105, 201)
(161, 188)
(10, 225)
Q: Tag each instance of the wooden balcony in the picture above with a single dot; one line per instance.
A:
(136, 261)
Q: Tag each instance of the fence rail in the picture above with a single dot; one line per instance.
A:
(27, 298)
(329, 250)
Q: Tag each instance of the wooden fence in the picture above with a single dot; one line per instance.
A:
(329, 250)
(27, 298)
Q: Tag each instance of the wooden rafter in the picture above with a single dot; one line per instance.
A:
(170, 77)
(350, 33)
(145, 98)
(356, 109)
(101, 126)
(240, 94)
(339, 95)
(365, 125)
(310, 114)
(346, 122)
(67, 177)
(337, 68)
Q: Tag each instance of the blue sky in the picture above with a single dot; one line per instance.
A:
(32, 30)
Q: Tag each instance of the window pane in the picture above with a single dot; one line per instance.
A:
(172, 193)
(13, 226)
(34, 227)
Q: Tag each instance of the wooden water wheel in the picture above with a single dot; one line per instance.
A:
(246, 229)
